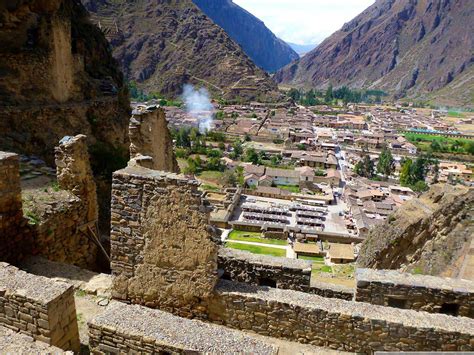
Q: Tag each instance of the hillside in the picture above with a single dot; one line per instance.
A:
(404, 47)
(59, 78)
(430, 235)
(163, 45)
(259, 43)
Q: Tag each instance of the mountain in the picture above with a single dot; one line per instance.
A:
(408, 48)
(165, 44)
(432, 235)
(258, 42)
(302, 49)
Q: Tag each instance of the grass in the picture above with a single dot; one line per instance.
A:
(211, 177)
(253, 237)
(291, 188)
(209, 187)
(456, 114)
(317, 259)
(257, 249)
(318, 268)
(426, 142)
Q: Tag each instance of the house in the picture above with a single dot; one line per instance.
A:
(306, 174)
(283, 176)
(254, 169)
(251, 180)
(341, 253)
(454, 171)
(308, 249)
(265, 180)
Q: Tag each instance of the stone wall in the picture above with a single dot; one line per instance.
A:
(329, 290)
(419, 292)
(163, 251)
(150, 137)
(38, 307)
(17, 343)
(12, 222)
(135, 329)
(257, 270)
(66, 230)
(336, 324)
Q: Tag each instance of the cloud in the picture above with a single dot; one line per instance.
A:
(304, 21)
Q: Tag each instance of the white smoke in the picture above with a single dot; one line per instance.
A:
(198, 105)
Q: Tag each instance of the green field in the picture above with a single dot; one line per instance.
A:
(319, 267)
(253, 237)
(291, 188)
(317, 259)
(426, 142)
(257, 249)
(456, 114)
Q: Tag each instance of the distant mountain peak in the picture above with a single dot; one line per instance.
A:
(258, 42)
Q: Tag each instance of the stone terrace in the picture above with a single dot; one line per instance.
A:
(39, 307)
(133, 328)
(17, 343)
(419, 292)
(256, 269)
(335, 323)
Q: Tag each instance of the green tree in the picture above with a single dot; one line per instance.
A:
(294, 94)
(470, 148)
(239, 174)
(329, 96)
(252, 156)
(385, 165)
(365, 167)
(237, 149)
(229, 178)
(405, 172)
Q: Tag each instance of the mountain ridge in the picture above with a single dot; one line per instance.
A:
(267, 50)
(407, 48)
(162, 45)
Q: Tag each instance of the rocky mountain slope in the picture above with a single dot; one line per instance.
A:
(406, 47)
(57, 78)
(430, 235)
(163, 45)
(259, 43)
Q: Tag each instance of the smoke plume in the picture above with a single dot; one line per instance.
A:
(198, 105)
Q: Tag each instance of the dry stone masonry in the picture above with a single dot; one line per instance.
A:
(135, 329)
(12, 222)
(38, 307)
(337, 324)
(163, 252)
(261, 270)
(150, 137)
(420, 292)
(17, 343)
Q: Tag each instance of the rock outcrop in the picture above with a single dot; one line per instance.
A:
(57, 78)
(163, 45)
(404, 47)
(266, 50)
(429, 235)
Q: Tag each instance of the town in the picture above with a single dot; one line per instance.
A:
(310, 182)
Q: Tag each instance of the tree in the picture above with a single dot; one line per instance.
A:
(328, 97)
(239, 173)
(470, 148)
(229, 178)
(252, 156)
(294, 94)
(215, 164)
(365, 167)
(385, 165)
(405, 172)
(237, 149)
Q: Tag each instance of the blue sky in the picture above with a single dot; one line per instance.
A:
(304, 21)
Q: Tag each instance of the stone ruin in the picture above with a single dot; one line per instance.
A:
(150, 140)
(175, 290)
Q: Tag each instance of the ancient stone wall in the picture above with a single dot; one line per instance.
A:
(150, 137)
(135, 329)
(12, 243)
(257, 270)
(336, 324)
(420, 292)
(329, 290)
(17, 343)
(163, 252)
(67, 229)
(39, 307)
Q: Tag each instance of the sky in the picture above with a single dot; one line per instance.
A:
(304, 21)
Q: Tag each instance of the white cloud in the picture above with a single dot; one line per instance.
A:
(304, 21)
